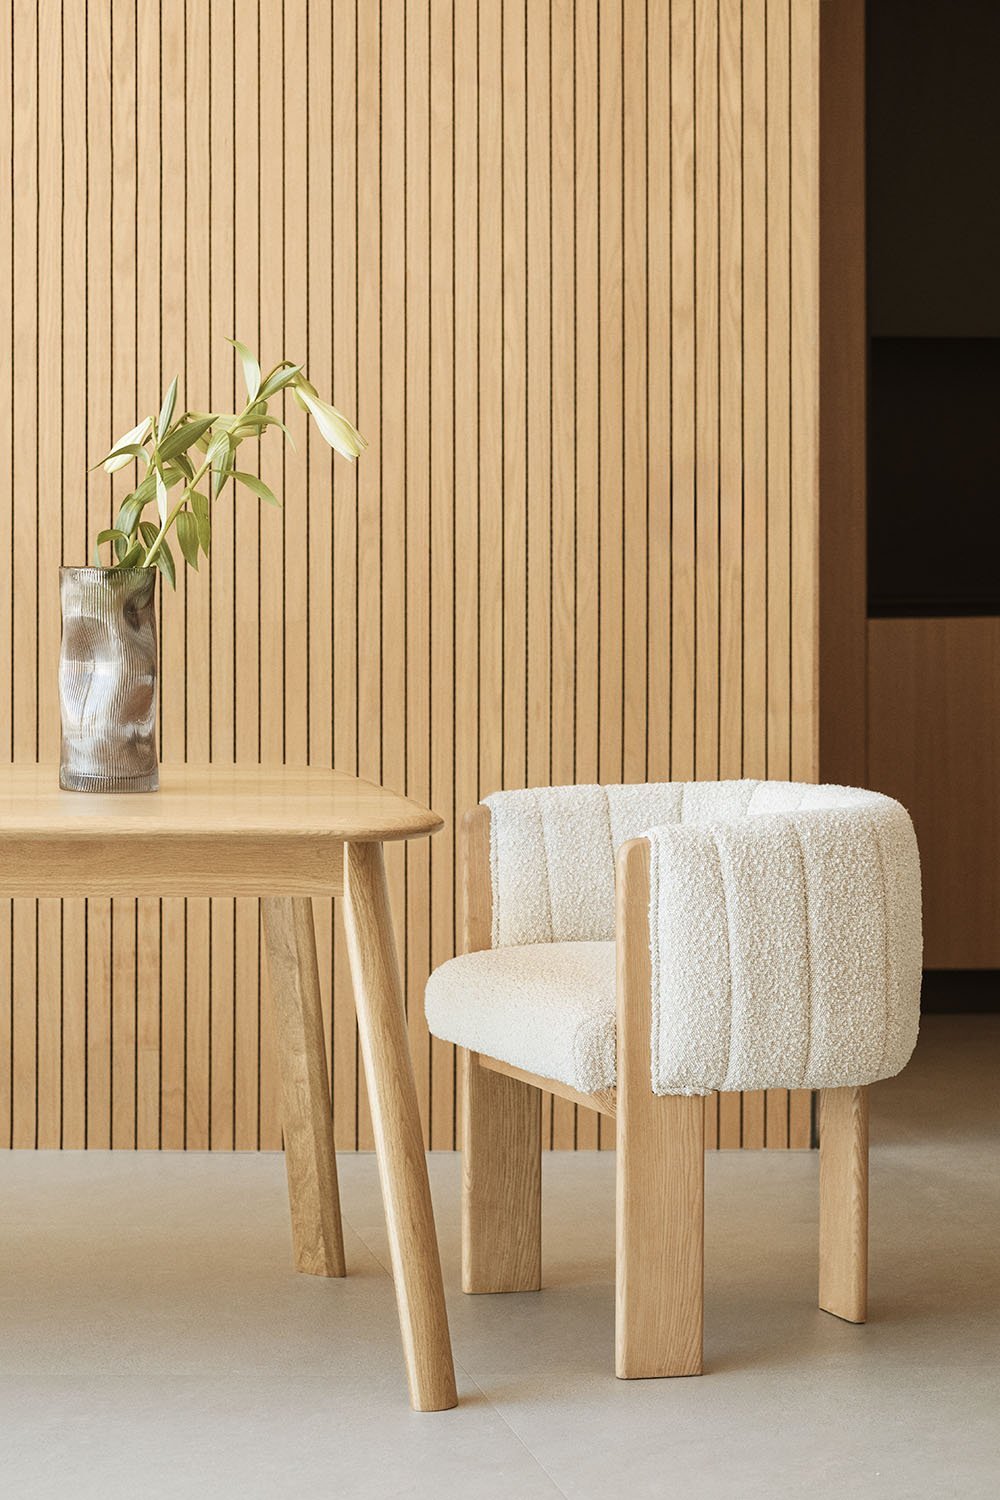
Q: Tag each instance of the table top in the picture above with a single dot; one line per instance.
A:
(204, 801)
(208, 831)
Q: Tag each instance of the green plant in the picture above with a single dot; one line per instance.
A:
(179, 453)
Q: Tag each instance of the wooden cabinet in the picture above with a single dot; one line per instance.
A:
(934, 743)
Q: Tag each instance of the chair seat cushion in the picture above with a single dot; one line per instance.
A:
(548, 1008)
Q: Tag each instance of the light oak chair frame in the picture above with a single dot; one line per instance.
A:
(660, 1174)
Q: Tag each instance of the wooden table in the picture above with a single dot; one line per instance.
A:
(283, 835)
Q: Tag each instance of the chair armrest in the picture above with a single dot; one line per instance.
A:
(785, 949)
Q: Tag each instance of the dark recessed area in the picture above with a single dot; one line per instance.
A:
(934, 477)
(960, 991)
(933, 123)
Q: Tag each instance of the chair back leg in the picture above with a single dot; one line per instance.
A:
(843, 1203)
(501, 1124)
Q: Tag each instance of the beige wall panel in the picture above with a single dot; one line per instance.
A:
(561, 260)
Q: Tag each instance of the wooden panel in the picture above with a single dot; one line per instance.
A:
(934, 743)
(843, 352)
(561, 260)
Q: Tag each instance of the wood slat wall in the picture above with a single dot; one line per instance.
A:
(560, 258)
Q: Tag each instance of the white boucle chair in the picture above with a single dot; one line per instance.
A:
(763, 935)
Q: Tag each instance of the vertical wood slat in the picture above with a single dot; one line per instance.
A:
(50, 269)
(562, 1124)
(562, 262)
(466, 512)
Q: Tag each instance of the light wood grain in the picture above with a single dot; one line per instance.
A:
(209, 832)
(804, 390)
(399, 1143)
(212, 802)
(661, 1169)
(843, 1203)
(683, 353)
(501, 1125)
(476, 881)
(603, 1101)
(842, 411)
(501, 1180)
(310, 1160)
(755, 105)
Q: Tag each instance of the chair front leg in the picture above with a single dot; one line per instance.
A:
(660, 1238)
(843, 1203)
(660, 1169)
(501, 1181)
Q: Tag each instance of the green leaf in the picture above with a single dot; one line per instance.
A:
(199, 506)
(184, 465)
(165, 563)
(133, 557)
(167, 409)
(112, 534)
(222, 465)
(251, 369)
(183, 436)
(128, 440)
(119, 457)
(220, 438)
(187, 536)
(278, 379)
(260, 489)
(129, 513)
(146, 488)
(164, 558)
(261, 423)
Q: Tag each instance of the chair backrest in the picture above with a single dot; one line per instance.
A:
(552, 849)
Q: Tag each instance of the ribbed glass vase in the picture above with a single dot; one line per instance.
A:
(107, 680)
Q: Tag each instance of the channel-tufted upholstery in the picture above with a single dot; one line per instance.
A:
(784, 936)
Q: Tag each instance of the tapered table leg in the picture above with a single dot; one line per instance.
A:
(399, 1142)
(310, 1161)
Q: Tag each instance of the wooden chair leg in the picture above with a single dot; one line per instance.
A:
(843, 1203)
(310, 1160)
(399, 1144)
(660, 1210)
(501, 1181)
(660, 1238)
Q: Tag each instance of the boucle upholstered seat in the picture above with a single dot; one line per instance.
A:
(546, 1007)
(763, 935)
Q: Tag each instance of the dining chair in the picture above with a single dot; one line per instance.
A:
(634, 949)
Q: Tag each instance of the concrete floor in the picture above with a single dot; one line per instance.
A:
(153, 1341)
